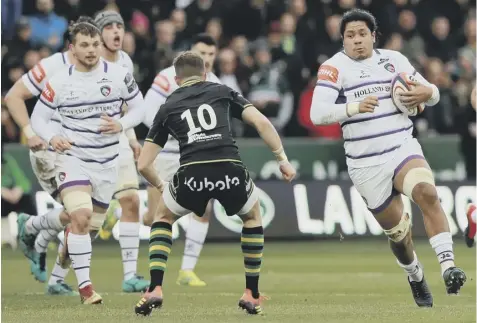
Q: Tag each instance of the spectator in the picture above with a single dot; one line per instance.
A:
(165, 37)
(178, 18)
(47, 27)
(269, 90)
(11, 12)
(413, 45)
(214, 29)
(20, 43)
(440, 44)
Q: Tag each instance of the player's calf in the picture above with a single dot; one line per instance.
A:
(252, 241)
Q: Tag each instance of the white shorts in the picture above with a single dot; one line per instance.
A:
(71, 171)
(43, 165)
(166, 165)
(127, 177)
(375, 183)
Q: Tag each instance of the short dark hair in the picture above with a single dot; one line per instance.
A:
(358, 15)
(86, 19)
(203, 38)
(189, 64)
(83, 28)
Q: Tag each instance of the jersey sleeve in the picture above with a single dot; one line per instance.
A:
(36, 78)
(156, 96)
(133, 97)
(325, 108)
(238, 103)
(43, 111)
(405, 66)
(129, 63)
(158, 133)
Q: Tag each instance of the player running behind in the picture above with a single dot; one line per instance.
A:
(33, 240)
(384, 160)
(197, 115)
(167, 162)
(111, 25)
(89, 97)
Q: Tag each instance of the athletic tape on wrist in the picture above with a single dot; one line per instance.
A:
(352, 109)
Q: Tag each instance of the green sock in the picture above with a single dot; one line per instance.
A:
(160, 243)
(252, 248)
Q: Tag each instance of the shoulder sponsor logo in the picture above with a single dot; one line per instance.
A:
(48, 93)
(105, 90)
(328, 73)
(162, 82)
(38, 73)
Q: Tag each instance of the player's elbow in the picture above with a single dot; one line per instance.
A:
(316, 115)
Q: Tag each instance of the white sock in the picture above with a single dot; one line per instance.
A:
(195, 237)
(50, 220)
(43, 238)
(442, 245)
(473, 216)
(79, 248)
(118, 212)
(129, 242)
(413, 270)
(58, 274)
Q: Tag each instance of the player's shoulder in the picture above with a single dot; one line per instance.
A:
(61, 76)
(332, 68)
(211, 77)
(389, 53)
(114, 68)
(57, 60)
(337, 60)
(169, 73)
(126, 61)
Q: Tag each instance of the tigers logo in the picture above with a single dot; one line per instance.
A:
(328, 73)
(105, 90)
(390, 67)
(61, 176)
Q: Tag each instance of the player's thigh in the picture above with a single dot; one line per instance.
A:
(43, 166)
(153, 197)
(127, 182)
(375, 185)
(70, 176)
(188, 191)
(234, 188)
(103, 183)
(166, 165)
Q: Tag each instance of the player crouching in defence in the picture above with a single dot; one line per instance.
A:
(384, 160)
(197, 115)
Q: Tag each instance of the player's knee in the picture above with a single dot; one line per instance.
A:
(96, 221)
(425, 194)
(130, 202)
(401, 230)
(418, 184)
(80, 220)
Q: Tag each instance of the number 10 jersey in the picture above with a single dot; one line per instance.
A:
(198, 116)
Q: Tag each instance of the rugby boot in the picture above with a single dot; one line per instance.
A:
(111, 219)
(149, 302)
(421, 293)
(38, 269)
(189, 278)
(26, 241)
(470, 230)
(454, 278)
(137, 284)
(250, 304)
(64, 259)
(60, 289)
(89, 296)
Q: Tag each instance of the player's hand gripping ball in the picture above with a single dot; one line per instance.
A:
(404, 83)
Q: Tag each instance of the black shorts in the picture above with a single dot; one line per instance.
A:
(194, 185)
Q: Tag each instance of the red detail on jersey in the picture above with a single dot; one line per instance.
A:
(162, 82)
(328, 73)
(38, 73)
(48, 93)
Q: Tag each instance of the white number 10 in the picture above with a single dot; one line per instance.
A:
(200, 115)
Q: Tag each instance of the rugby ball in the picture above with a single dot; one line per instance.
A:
(401, 84)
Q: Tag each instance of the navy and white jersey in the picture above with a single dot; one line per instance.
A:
(36, 78)
(81, 98)
(369, 138)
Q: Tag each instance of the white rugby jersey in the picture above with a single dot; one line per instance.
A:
(81, 98)
(163, 86)
(36, 78)
(369, 138)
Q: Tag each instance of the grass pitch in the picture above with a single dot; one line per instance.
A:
(307, 281)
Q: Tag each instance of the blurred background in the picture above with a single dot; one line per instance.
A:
(271, 48)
